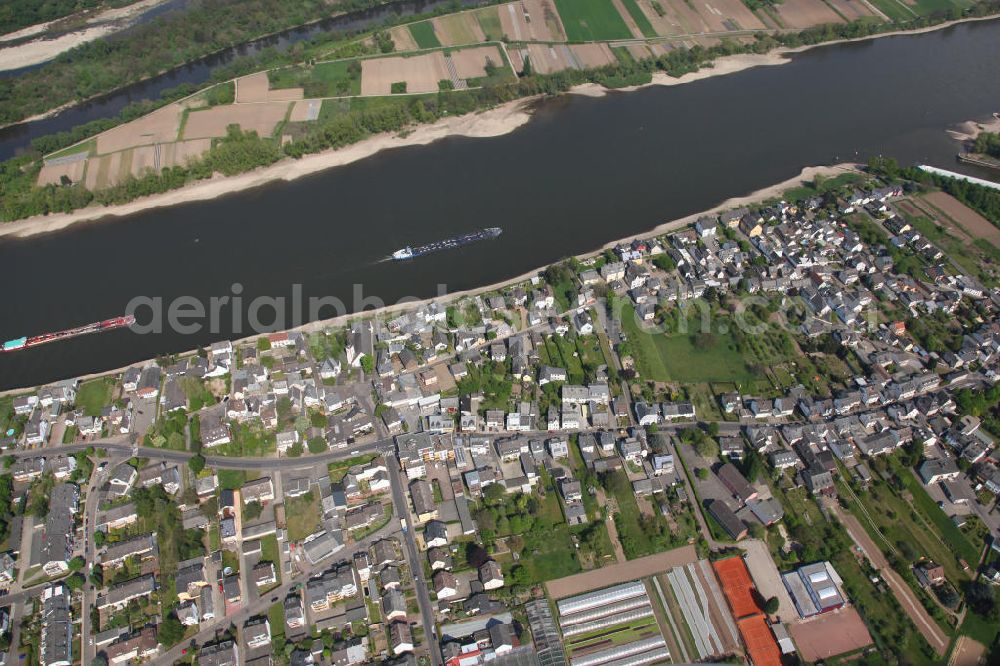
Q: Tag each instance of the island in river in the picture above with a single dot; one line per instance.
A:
(413, 74)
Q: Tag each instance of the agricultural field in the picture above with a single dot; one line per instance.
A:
(460, 29)
(424, 35)
(801, 14)
(592, 20)
(973, 244)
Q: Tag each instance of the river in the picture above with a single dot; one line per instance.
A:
(15, 138)
(583, 172)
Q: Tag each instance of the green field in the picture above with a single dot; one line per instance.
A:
(423, 35)
(592, 20)
(340, 78)
(676, 357)
(640, 19)
(895, 9)
(489, 21)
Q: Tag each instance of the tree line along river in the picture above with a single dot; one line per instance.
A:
(583, 172)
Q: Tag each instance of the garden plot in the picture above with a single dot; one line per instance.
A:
(421, 73)
(403, 39)
(532, 20)
(459, 29)
(547, 59)
(589, 56)
(472, 63)
(806, 13)
(685, 15)
(305, 110)
(256, 88)
(211, 123)
(852, 10)
(160, 126)
(639, 51)
(52, 174)
(722, 15)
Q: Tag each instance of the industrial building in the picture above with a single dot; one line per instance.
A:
(815, 588)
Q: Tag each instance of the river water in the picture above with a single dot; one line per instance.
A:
(583, 172)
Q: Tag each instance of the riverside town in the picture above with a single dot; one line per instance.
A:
(763, 433)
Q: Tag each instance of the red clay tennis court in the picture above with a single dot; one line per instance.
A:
(737, 586)
(739, 590)
(761, 646)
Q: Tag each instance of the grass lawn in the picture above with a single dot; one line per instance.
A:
(302, 515)
(94, 395)
(276, 618)
(592, 20)
(666, 357)
(423, 35)
(338, 470)
(559, 351)
(640, 19)
(231, 479)
(269, 553)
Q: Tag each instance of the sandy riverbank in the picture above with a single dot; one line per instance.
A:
(970, 129)
(807, 175)
(491, 123)
(42, 50)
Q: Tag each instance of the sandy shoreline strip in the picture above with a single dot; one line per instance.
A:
(806, 175)
(490, 123)
(41, 50)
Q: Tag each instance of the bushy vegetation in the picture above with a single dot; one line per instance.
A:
(988, 143)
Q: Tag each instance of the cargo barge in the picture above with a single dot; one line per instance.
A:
(448, 244)
(96, 327)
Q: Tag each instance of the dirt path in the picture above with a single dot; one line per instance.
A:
(616, 544)
(620, 573)
(916, 612)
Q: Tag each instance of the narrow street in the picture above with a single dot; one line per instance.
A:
(402, 511)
